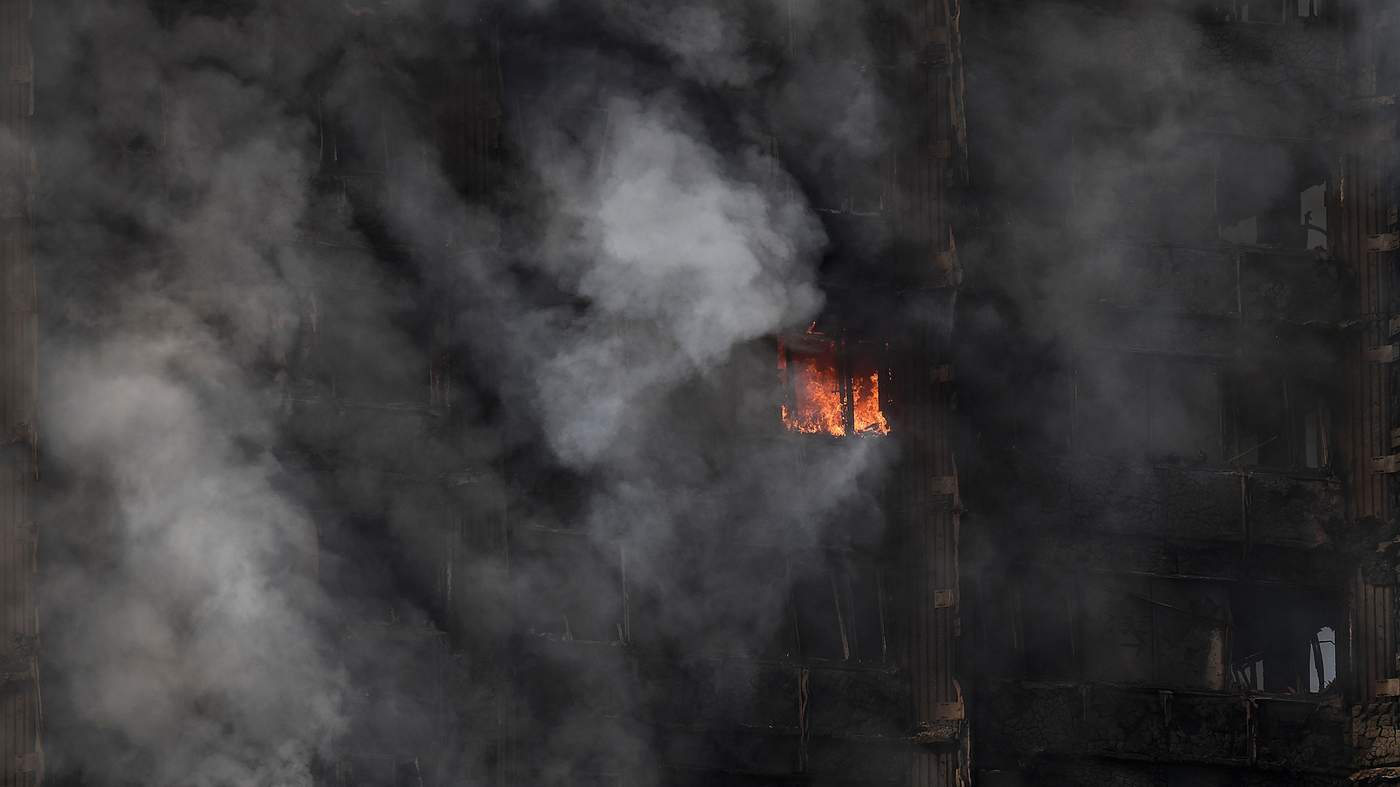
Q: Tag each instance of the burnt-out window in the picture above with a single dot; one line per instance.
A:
(1322, 673)
(1312, 10)
(1111, 403)
(1313, 209)
(1129, 185)
(1143, 405)
(363, 560)
(817, 613)
(865, 610)
(836, 177)
(1278, 421)
(1272, 12)
(1155, 631)
(1285, 641)
(838, 608)
(569, 587)
(1253, 203)
(757, 602)
(842, 163)
(833, 386)
(582, 135)
(1269, 12)
(1045, 612)
(1387, 71)
(337, 336)
(1207, 635)
(712, 600)
(373, 768)
(353, 138)
(1271, 194)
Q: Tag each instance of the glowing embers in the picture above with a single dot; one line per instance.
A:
(830, 387)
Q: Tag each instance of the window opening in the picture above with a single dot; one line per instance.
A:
(816, 604)
(1266, 11)
(1271, 194)
(837, 609)
(1324, 671)
(1257, 203)
(832, 386)
(1162, 632)
(1278, 422)
(573, 587)
(1126, 186)
(867, 611)
(1313, 205)
(1311, 9)
(1047, 636)
(1163, 407)
(1284, 642)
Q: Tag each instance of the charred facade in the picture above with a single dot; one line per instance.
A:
(1177, 570)
(971, 393)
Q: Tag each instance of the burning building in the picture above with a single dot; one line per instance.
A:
(1177, 570)
(442, 393)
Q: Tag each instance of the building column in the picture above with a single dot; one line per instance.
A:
(21, 758)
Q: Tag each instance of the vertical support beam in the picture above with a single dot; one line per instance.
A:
(929, 521)
(928, 153)
(469, 125)
(1359, 209)
(1372, 635)
(1366, 429)
(21, 761)
(1361, 213)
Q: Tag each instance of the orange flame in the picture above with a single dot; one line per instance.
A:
(816, 402)
(868, 416)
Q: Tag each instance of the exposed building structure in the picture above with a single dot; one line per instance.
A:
(850, 679)
(1110, 316)
(1177, 576)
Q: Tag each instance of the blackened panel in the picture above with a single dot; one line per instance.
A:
(1118, 631)
(1125, 722)
(1209, 728)
(1294, 511)
(1191, 624)
(857, 703)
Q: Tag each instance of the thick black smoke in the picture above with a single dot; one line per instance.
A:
(251, 232)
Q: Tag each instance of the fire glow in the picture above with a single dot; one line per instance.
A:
(822, 400)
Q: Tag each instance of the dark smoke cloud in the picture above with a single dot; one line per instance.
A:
(609, 302)
(1115, 148)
